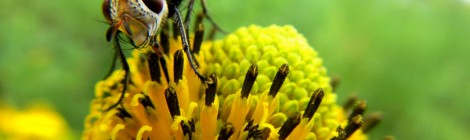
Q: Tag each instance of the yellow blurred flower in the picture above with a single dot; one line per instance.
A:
(264, 83)
(38, 122)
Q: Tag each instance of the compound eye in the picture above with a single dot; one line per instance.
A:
(155, 5)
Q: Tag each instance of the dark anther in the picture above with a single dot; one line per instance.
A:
(211, 35)
(154, 67)
(226, 131)
(199, 35)
(371, 121)
(199, 18)
(178, 66)
(341, 134)
(172, 102)
(198, 38)
(250, 78)
(314, 103)
(146, 102)
(193, 126)
(165, 69)
(358, 109)
(253, 131)
(288, 126)
(249, 125)
(142, 59)
(176, 32)
(106, 93)
(164, 40)
(279, 80)
(211, 89)
(186, 130)
(334, 83)
(122, 113)
(352, 100)
(266, 133)
(353, 125)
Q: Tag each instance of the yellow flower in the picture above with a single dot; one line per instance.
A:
(264, 83)
(38, 122)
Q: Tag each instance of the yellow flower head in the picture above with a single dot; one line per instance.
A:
(264, 83)
(39, 122)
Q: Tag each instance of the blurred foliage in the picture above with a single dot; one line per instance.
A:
(408, 59)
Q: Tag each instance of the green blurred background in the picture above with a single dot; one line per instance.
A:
(408, 59)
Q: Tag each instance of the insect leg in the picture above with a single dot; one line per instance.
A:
(125, 67)
(186, 48)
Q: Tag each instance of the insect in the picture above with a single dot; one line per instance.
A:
(140, 21)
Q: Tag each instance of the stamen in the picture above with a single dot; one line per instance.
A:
(353, 125)
(279, 80)
(266, 132)
(249, 125)
(146, 102)
(358, 110)
(122, 113)
(165, 69)
(226, 131)
(186, 129)
(250, 78)
(108, 94)
(371, 121)
(253, 131)
(176, 31)
(199, 35)
(211, 89)
(199, 18)
(288, 126)
(164, 40)
(192, 125)
(154, 67)
(198, 38)
(352, 100)
(142, 130)
(341, 134)
(114, 132)
(178, 66)
(172, 102)
(211, 35)
(314, 103)
(334, 83)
